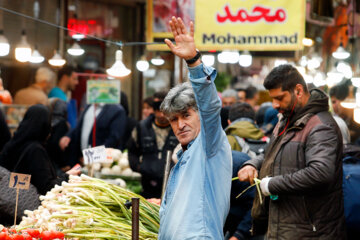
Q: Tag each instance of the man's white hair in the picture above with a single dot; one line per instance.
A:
(44, 74)
(179, 99)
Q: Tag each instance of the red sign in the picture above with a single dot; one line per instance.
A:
(258, 13)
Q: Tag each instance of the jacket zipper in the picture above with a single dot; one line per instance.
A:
(308, 216)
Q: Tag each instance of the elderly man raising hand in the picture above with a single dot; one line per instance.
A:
(197, 197)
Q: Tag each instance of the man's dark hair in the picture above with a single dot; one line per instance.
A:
(149, 101)
(339, 91)
(158, 98)
(286, 77)
(66, 70)
(241, 110)
(250, 92)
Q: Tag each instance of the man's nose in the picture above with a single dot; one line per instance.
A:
(181, 123)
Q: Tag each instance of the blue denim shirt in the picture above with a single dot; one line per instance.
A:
(197, 197)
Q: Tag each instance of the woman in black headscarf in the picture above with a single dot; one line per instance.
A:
(59, 128)
(25, 152)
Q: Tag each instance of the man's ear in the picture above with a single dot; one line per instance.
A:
(229, 122)
(299, 90)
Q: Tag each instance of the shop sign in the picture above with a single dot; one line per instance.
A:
(250, 24)
(103, 91)
(257, 25)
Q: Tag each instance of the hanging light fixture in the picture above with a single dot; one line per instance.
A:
(57, 60)
(75, 50)
(23, 50)
(245, 59)
(350, 101)
(36, 57)
(4, 44)
(157, 61)
(208, 59)
(142, 65)
(118, 69)
(341, 53)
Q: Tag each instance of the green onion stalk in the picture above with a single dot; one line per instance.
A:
(90, 208)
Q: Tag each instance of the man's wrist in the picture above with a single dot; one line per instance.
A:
(194, 60)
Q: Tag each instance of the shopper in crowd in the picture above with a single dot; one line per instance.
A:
(67, 81)
(242, 125)
(59, 128)
(228, 97)
(5, 134)
(148, 147)
(339, 93)
(147, 107)
(270, 121)
(197, 197)
(238, 221)
(110, 123)
(302, 167)
(252, 97)
(25, 152)
(5, 96)
(345, 133)
(241, 93)
(37, 92)
(260, 113)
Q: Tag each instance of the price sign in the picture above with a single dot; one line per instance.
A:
(95, 154)
(20, 181)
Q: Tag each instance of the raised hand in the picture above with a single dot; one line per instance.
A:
(185, 45)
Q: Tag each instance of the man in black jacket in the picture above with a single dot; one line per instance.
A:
(148, 145)
(302, 166)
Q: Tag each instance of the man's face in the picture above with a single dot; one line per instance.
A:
(160, 119)
(336, 106)
(228, 101)
(72, 81)
(186, 126)
(241, 96)
(283, 101)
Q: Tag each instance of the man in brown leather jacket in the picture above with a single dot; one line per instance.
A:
(302, 168)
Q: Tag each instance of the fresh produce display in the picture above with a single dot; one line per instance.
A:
(90, 208)
(29, 234)
(117, 163)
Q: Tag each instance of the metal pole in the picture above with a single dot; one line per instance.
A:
(166, 173)
(135, 219)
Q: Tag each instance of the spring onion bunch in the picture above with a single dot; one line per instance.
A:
(89, 208)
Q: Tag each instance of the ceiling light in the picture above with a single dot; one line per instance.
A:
(229, 57)
(78, 36)
(245, 59)
(208, 59)
(57, 60)
(357, 115)
(118, 69)
(319, 79)
(157, 61)
(4, 45)
(341, 53)
(75, 50)
(142, 65)
(23, 50)
(36, 57)
(279, 62)
(355, 81)
(308, 42)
